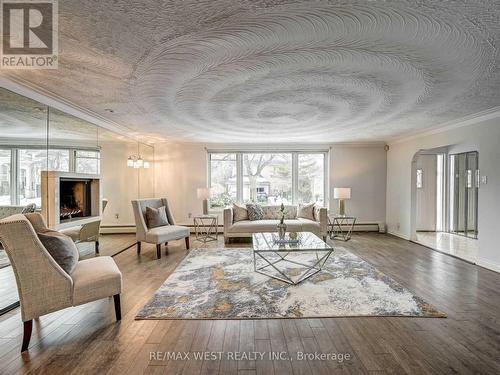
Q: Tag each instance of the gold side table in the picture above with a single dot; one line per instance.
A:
(341, 227)
(206, 228)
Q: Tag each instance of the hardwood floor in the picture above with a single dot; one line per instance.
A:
(86, 339)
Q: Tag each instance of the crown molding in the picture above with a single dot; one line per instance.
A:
(25, 88)
(474, 119)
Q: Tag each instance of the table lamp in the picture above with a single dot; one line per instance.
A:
(341, 194)
(204, 193)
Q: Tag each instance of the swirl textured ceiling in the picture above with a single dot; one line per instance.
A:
(278, 71)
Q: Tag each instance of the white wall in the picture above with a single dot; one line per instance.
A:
(483, 137)
(363, 168)
(182, 167)
(121, 184)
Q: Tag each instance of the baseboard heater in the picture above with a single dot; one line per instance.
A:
(115, 229)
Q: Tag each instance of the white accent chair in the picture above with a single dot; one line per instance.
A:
(43, 286)
(157, 235)
(88, 232)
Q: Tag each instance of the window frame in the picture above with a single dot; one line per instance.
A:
(295, 171)
(15, 167)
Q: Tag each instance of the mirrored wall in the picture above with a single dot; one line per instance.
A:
(36, 142)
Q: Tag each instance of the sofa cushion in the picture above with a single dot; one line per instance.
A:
(249, 226)
(306, 211)
(310, 226)
(239, 213)
(95, 278)
(166, 233)
(255, 211)
(273, 212)
(156, 217)
(61, 248)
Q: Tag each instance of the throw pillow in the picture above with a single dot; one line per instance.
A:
(61, 248)
(239, 213)
(156, 217)
(306, 211)
(255, 212)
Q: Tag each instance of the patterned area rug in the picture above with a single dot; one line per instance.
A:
(222, 284)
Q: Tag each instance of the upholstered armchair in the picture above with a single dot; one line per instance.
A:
(43, 286)
(157, 235)
(88, 232)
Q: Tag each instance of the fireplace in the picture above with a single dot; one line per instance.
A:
(75, 198)
(70, 199)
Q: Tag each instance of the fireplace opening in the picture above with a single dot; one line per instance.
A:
(76, 200)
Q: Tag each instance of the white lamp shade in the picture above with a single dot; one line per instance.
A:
(203, 193)
(341, 193)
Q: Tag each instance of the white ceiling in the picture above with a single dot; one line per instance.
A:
(277, 71)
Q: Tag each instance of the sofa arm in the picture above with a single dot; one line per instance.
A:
(321, 216)
(228, 219)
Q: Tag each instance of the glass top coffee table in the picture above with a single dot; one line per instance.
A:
(289, 262)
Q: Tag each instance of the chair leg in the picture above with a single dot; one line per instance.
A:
(158, 251)
(97, 247)
(28, 327)
(138, 247)
(187, 243)
(118, 308)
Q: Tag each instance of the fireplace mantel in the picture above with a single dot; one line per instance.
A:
(51, 198)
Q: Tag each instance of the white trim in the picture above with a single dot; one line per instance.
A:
(400, 235)
(492, 266)
(31, 91)
(473, 119)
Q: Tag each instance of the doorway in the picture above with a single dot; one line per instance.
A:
(445, 202)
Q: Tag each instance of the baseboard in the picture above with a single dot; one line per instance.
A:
(117, 229)
(488, 264)
(400, 235)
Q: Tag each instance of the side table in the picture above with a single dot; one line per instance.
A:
(341, 227)
(206, 227)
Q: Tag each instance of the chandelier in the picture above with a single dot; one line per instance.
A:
(136, 161)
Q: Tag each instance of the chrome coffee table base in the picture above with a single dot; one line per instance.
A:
(311, 269)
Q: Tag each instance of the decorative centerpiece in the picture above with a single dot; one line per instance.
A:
(282, 225)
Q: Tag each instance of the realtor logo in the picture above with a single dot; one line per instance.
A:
(29, 34)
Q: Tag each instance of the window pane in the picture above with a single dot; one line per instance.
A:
(59, 160)
(87, 154)
(267, 178)
(222, 179)
(85, 165)
(311, 178)
(5, 178)
(31, 163)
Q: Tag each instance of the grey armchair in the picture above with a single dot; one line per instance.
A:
(43, 286)
(88, 232)
(156, 235)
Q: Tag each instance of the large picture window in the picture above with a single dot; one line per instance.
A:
(266, 178)
(223, 187)
(5, 180)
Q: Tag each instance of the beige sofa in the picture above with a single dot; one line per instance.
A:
(245, 228)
